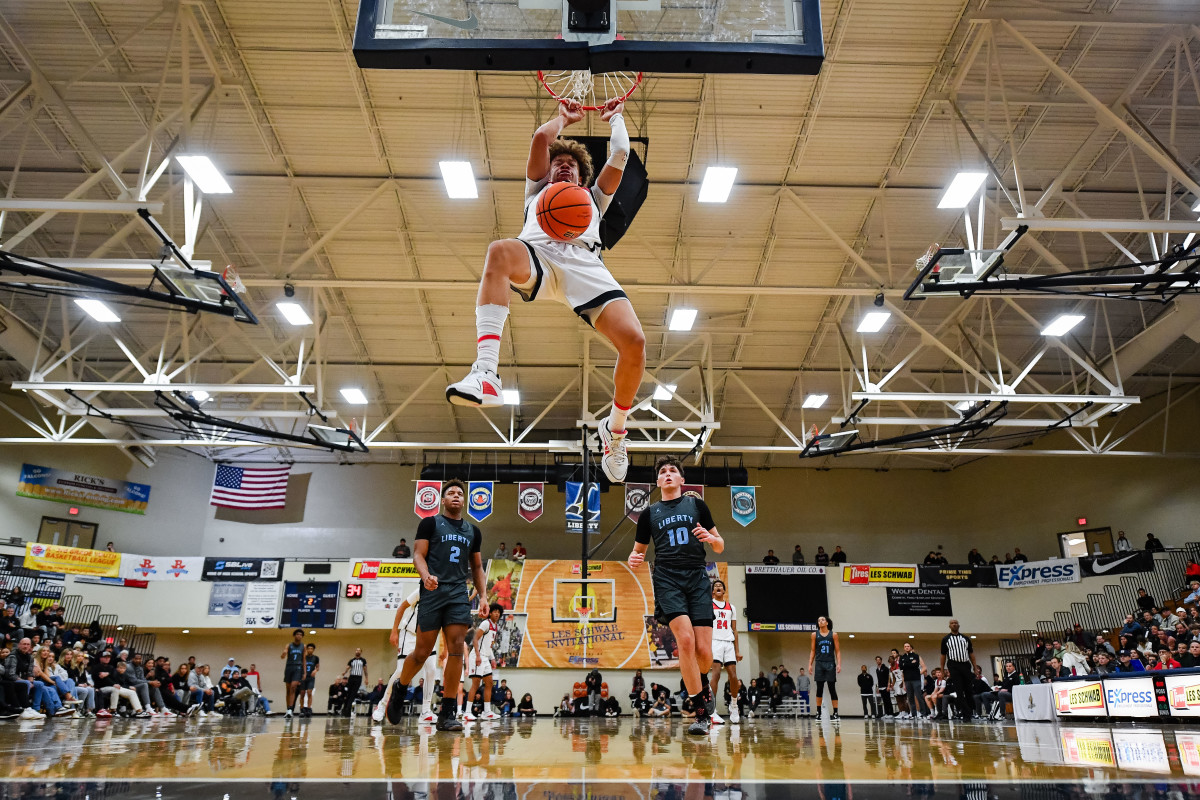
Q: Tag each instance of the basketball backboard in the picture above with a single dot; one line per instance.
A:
(957, 270)
(750, 36)
(592, 600)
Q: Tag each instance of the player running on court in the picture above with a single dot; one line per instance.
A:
(404, 639)
(826, 652)
(484, 658)
(534, 265)
(680, 526)
(445, 552)
(725, 651)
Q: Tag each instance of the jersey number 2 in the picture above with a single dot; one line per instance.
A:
(678, 536)
(454, 551)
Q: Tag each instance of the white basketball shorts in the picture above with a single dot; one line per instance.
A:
(570, 274)
(723, 653)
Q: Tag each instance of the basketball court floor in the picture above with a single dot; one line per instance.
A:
(626, 758)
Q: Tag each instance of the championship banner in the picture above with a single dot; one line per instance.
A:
(1116, 564)
(637, 499)
(880, 575)
(530, 499)
(958, 576)
(479, 500)
(575, 508)
(1084, 698)
(226, 599)
(1037, 573)
(395, 570)
(742, 504)
(260, 609)
(62, 486)
(161, 568)
(924, 601)
(73, 560)
(428, 499)
(242, 569)
(696, 490)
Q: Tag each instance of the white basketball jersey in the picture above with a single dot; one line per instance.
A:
(723, 617)
(488, 632)
(408, 623)
(588, 240)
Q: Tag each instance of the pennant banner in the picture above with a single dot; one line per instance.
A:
(479, 499)
(743, 504)
(696, 490)
(161, 568)
(429, 498)
(530, 498)
(575, 508)
(637, 499)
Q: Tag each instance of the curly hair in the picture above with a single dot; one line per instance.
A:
(576, 150)
(664, 460)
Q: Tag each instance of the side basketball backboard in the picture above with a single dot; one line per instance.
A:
(749, 36)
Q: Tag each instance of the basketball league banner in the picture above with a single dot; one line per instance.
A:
(76, 488)
(161, 568)
(696, 490)
(72, 560)
(531, 497)
(479, 500)
(575, 507)
(880, 575)
(743, 504)
(637, 499)
(428, 499)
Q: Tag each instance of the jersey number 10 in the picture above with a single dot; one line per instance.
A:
(678, 536)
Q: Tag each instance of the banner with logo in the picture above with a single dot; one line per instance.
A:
(958, 576)
(366, 570)
(1084, 698)
(696, 490)
(530, 499)
(1037, 573)
(242, 569)
(479, 500)
(1116, 564)
(1188, 745)
(225, 599)
(73, 560)
(1183, 692)
(880, 575)
(743, 504)
(128, 583)
(637, 499)
(78, 489)
(575, 507)
(1130, 697)
(922, 601)
(428, 499)
(387, 595)
(261, 606)
(1088, 747)
(1141, 751)
(161, 568)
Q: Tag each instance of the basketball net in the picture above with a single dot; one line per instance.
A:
(590, 91)
(583, 626)
(233, 280)
(927, 257)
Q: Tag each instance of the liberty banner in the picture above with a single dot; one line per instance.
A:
(743, 504)
(637, 499)
(575, 508)
(530, 498)
(429, 498)
(479, 499)
(64, 486)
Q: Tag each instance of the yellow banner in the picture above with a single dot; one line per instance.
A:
(879, 575)
(75, 560)
(392, 570)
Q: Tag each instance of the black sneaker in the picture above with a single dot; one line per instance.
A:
(396, 705)
(700, 727)
(446, 723)
(834, 716)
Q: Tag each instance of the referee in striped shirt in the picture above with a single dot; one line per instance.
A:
(958, 657)
(357, 669)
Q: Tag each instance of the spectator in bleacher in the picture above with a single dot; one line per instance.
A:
(109, 547)
(797, 557)
(1056, 668)
(122, 689)
(1079, 637)
(660, 708)
(1127, 661)
(1195, 593)
(1076, 659)
(975, 558)
(770, 558)
(1018, 556)
(167, 688)
(10, 626)
(1192, 657)
(800, 687)
(994, 560)
(1182, 634)
(501, 553)
(822, 558)
(1122, 545)
(47, 670)
(1165, 660)
(401, 550)
(14, 691)
(519, 552)
(28, 622)
(838, 556)
(1153, 544)
(235, 693)
(1008, 558)
(201, 691)
(1039, 649)
(525, 707)
(138, 680)
(17, 598)
(1180, 650)
(73, 666)
(1102, 644)
(930, 559)
(1145, 602)
(1103, 665)
(1131, 628)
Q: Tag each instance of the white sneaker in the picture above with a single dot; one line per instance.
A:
(490, 715)
(377, 713)
(468, 716)
(716, 719)
(288, 714)
(29, 713)
(429, 716)
(481, 387)
(614, 460)
(734, 717)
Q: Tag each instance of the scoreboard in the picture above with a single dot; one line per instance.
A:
(310, 604)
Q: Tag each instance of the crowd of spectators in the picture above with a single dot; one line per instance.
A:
(822, 559)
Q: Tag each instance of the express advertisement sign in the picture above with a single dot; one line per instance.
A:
(1037, 573)
(1130, 697)
(1079, 698)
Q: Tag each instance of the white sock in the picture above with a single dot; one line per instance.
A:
(489, 326)
(616, 418)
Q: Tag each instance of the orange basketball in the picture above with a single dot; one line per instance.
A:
(564, 211)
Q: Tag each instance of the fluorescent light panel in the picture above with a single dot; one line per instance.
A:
(459, 179)
(511, 397)
(354, 396)
(682, 319)
(664, 392)
(815, 400)
(718, 183)
(1062, 324)
(962, 189)
(97, 310)
(873, 321)
(294, 313)
(205, 174)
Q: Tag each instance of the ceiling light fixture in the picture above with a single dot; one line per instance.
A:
(97, 310)
(664, 392)
(200, 396)
(879, 300)
(294, 313)
(718, 183)
(354, 396)
(204, 174)
(682, 319)
(963, 405)
(512, 397)
(962, 189)
(873, 321)
(815, 400)
(459, 179)
(1061, 324)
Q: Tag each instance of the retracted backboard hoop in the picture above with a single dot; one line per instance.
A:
(593, 92)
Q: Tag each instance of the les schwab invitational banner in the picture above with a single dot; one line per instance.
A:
(76, 488)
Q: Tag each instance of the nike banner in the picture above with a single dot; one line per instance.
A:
(1116, 564)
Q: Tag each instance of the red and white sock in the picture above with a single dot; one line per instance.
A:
(616, 417)
(489, 326)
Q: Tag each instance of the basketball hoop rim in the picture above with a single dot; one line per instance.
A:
(622, 98)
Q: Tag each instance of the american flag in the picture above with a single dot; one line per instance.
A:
(241, 487)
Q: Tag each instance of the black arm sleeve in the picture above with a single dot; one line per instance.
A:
(477, 539)
(945, 648)
(426, 528)
(705, 515)
(642, 536)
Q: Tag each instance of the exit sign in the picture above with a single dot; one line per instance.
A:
(1082, 520)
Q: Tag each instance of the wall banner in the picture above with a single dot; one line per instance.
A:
(243, 569)
(261, 607)
(959, 576)
(880, 575)
(73, 560)
(365, 570)
(76, 488)
(1116, 564)
(1037, 573)
(924, 601)
(161, 568)
(226, 599)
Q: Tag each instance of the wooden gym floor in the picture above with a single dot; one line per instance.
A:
(561, 759)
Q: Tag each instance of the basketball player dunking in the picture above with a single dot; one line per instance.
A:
(445, 551)
(404, 639)
(535, 265)
(826, 653)
(725, 651)
(680, 526)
